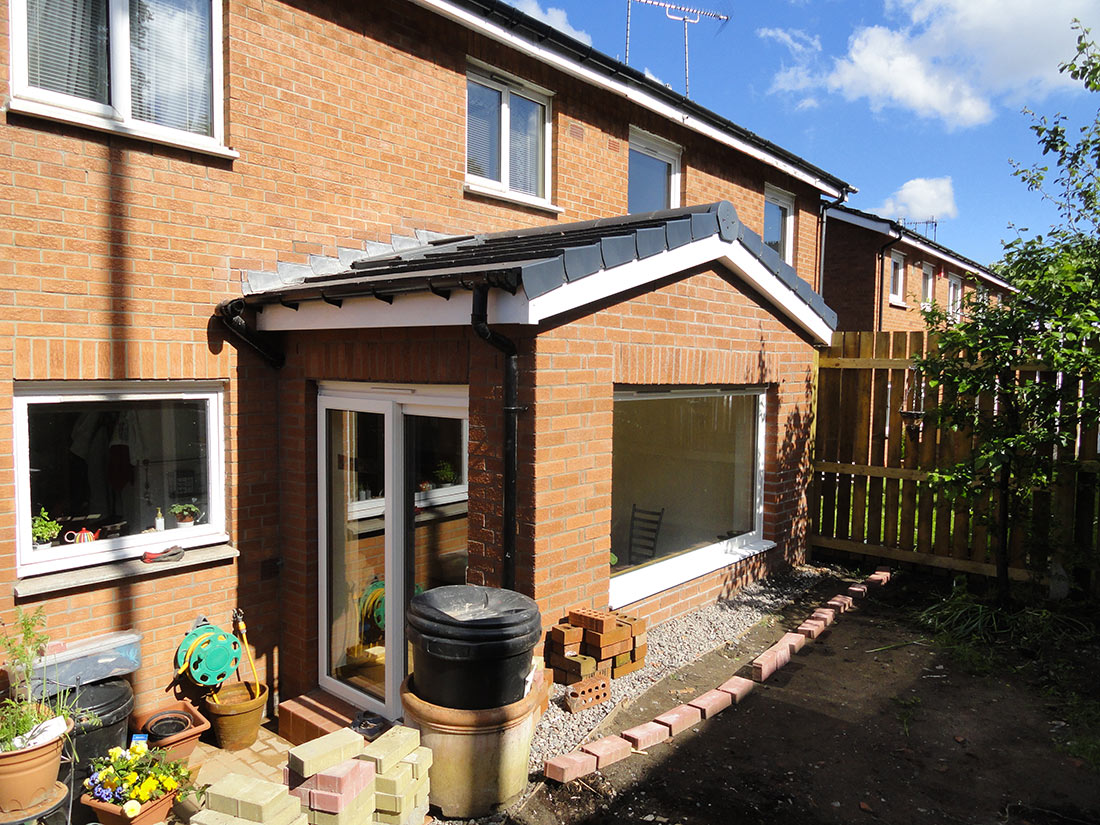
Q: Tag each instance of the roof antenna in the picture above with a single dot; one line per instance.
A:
(687, 15)
(930, 224)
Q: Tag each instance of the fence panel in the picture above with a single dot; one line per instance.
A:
(874, 450)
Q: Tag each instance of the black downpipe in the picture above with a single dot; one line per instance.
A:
(232, 314)
(479, 322)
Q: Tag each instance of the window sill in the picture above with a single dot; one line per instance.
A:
(635, 585)
(116, 571)
(512, 197)
(898, 303)
(149, 132)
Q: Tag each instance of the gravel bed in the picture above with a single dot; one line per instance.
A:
(672, 645)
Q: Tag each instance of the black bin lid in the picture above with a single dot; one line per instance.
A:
(101, 698)
(470, 612)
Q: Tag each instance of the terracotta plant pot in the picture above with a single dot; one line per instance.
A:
(110, 814)
(27, 776)
(179, 745)
(237, 714)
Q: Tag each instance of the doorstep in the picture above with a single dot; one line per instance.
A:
(313, 714)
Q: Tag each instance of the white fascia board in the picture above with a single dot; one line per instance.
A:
(883, 227)
(732, 255)
(423, 309)
(642, 98)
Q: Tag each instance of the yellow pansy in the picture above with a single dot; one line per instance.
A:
(139, 748)
(170, 784)
(132, 808)
(114, 753)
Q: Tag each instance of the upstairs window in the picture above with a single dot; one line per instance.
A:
(779, 222)
(928, 283)
(151, 68)
(897, 278)
(954, 296)
(654, 175)
(507, 138)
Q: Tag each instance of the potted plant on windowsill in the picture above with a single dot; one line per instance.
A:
(31, 730)
(135, 786)
(185, 514)
(43, 530)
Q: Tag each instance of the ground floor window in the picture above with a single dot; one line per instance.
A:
(687, 479)
(120, 469)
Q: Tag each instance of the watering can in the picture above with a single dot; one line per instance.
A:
(84, 535)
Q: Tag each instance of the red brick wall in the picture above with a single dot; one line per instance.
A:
(856, 285)
(349, 123)
(697, 330)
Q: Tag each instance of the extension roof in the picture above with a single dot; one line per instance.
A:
(506, 24)
(899, 231)
(542, 273)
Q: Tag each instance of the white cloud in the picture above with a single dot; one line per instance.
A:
(807, 103)
(555, 17)
(653, 77)
(797, 41)
(957, 61)
(921, 199)
(884, 67)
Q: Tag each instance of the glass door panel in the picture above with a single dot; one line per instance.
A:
(356, 542)
(435, 503)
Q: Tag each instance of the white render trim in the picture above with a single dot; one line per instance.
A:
(425, 309)
(882, 226)
(618, 87)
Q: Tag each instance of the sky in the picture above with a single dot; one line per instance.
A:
(919, 104)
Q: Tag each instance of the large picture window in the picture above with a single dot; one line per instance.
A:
(109, 464)
(687, 477)
(148, 67)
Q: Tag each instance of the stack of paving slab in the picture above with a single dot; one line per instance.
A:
(596, 643)
(343, 781)
(244, 800)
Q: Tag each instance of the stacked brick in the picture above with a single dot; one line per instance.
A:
(596, 643)
(401, 766)
(342, 781)
(243, 800)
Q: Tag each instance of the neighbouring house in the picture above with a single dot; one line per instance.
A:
(877, 274)
(396, 295)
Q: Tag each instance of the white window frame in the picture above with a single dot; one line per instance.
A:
(785, 199)
(896, 286)
(394, 402)
(212, 530)
(928, 284)
(508, 85)
(662, 150)
(633, 585)
(115, 117)
(954, 296)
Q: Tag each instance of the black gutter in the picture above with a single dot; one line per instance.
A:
(479, 322)
(231, 313)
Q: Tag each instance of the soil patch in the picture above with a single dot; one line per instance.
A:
(863, 725)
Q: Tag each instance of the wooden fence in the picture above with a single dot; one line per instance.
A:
(872, 455)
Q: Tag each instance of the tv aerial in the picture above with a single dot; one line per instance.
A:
(681, 14)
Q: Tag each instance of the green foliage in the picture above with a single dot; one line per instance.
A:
(1033, 353)
(43, 528)
(184, 511)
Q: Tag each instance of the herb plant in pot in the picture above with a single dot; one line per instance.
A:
(31, 730)
(135, 786)
(43, 530)
(185, 514)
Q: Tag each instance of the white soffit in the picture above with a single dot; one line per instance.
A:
(423, 309)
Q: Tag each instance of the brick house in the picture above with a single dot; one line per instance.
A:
(345, 279)
(877, 274)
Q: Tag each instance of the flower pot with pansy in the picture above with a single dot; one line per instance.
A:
(135, 785)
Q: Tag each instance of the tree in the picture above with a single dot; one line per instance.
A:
(1038, 352)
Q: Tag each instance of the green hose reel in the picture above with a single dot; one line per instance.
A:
(208, 655)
